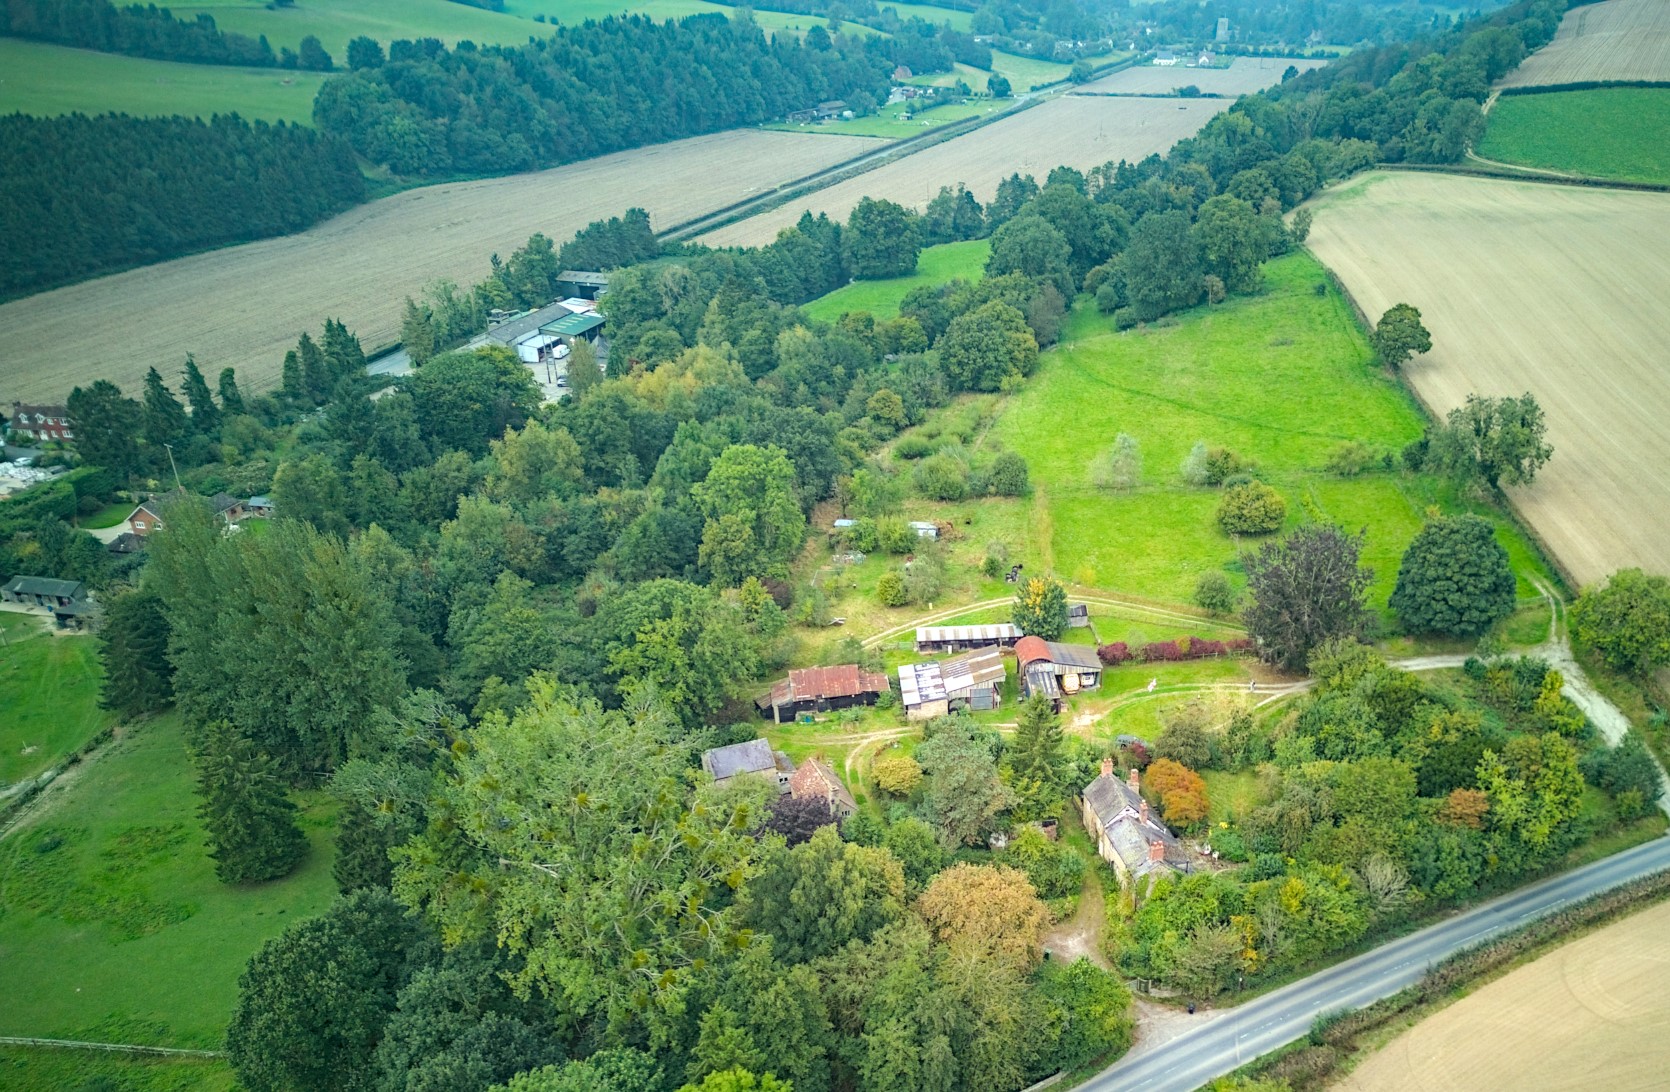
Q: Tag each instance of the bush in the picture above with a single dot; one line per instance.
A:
(941, 477)
(1114, 654)
(897, 773)
(1119, 467)
(1214, 592)
(895, 536)
(1194, 464)
(1009, 476)
(1251, 509)
(1222, 463)
(1352, 458)
(890, 589)
(914, 446)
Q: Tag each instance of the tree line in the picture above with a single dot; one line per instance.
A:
(149, 31)
(590, 89)
(86, 195)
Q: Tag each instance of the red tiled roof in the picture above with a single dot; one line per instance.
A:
(1031, 649)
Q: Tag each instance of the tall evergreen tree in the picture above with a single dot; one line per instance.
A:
(417, 333)
(205, 415)
(165, 418)
(106, 427)
(252, 823)
(1035, 758)
(231, 398)
(293, 383)
(133, 643)
(315, 374)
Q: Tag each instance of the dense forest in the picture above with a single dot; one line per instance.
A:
(501, 634)
(591, 89)
(149, 31)
(81, 195)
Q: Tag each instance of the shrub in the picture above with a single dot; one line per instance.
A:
(895, 536)
(1352, 458)
(861, 536)
(941, 477)
(914, 446)
(1627, 621)
(1009, 476)
(1114, 654)
(1222, 463)
(1251, 509)
(1213, 592)
(1162, 652)
(1194, 464)
(1182, 792)
(1119, 467)
(897, 773)
(890, 589)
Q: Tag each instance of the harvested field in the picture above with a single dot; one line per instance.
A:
(1080, 132)
(1592, 1014)
(1244, 76)
(1616, 40)
(245, 305)
(1529, 286)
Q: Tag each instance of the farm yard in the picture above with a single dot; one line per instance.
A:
(1080, 132)
(244, 306)
(1546, 288)
(47, 80)
(1591, 1014)
(1244, 76)
(1615, 40)
(1606, 132)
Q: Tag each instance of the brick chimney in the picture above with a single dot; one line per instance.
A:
(1156, 851)
(1133, 779)
(1143, 814)
(1107, 766)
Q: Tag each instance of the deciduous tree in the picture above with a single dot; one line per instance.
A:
(1305, 589)
(817, 897)
(1399, 335)
(1497, 440)
(1455, 578)
(989, 909)
(1041, 608)
(882, 239)
(1627, 621)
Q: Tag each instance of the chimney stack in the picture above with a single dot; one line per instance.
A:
(1134, 780)
(1107, 766)
(1144, 812)
(1156, 851)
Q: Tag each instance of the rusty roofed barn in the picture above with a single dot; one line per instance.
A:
(821, 689)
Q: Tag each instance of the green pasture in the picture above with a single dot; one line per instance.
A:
(26, 1069)
(49, 696)
(937, 265)
(1282, 379)
(48, 80)
(890, 121)
(959, 20)
(1023, 73)
(336, 22)
(1610, 132)
(113, 927)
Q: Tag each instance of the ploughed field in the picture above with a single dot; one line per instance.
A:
(244, 306)
(1616, 40)
(1080, 132)
(1244, 76)
(1529, 286)
(1591, 1014)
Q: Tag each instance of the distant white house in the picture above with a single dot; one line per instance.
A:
(1165, 60)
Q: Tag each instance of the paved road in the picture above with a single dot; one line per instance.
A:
(1265, 1023)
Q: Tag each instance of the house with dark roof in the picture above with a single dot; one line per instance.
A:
(822, 689)
(41, 591)
(1140, 847)
(125, 543)
(753, 756)
(816, 779)
(1053, 669)
(147, 518)
(40, 423)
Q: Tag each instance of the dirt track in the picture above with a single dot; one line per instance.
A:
(245, 305)
(1244, 76)
(1617, 40)
(1529, 286)
(1593, 1014)
(1080, 132)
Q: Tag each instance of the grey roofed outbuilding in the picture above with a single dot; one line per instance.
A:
(44, 585)
(509, 333)
(1079, 656)
(751, 756)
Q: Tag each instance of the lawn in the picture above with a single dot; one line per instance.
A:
(937, 265)
(39, 1070)
(889, 121)
(1282, 379)
(1608, 132)
(113, 927)
(49, 697)
(48, 80)
(108, 516)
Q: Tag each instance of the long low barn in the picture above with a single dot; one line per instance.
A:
(973, 681)
(821, 689)
(963, 638)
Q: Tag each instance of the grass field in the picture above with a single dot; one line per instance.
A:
(1244, 76)
(1591, 1014)
(49, 696)
(47, 80)
(1080, 132)
(889, 121)
(1541, 288)
(1615, 40)
(1023, 73)
(1610, 132)
(360, 265)
(113, 927)
(335, 22)
(43, 1070)
(937, 265)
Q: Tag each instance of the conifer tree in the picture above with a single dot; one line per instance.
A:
(133, 642)
(165, 418)
(205, 415)
(315, 374)
(294, 383)
(231, 398)
(1035, 758)
(252, 823)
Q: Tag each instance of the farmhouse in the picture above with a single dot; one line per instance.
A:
(1165, 60)
(973, 680)
(821, 689)
(815, 779)
(1053, 669)
(754, 756)
(147, 517)
(960, 638)
(1126, 835)
(40, 424)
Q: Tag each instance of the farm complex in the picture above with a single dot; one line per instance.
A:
(1529, 286)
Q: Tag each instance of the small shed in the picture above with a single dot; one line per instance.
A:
(1078, 615)
(924, 529)
(963, 638)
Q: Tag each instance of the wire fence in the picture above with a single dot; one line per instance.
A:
(122, 1048)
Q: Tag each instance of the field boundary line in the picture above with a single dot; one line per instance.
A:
(1516, 173)
(120, 1048)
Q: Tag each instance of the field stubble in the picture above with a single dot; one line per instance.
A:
(1616, 40)
(1551, 289)
(244, 306)
(1592, 1014)
(1078, 132)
